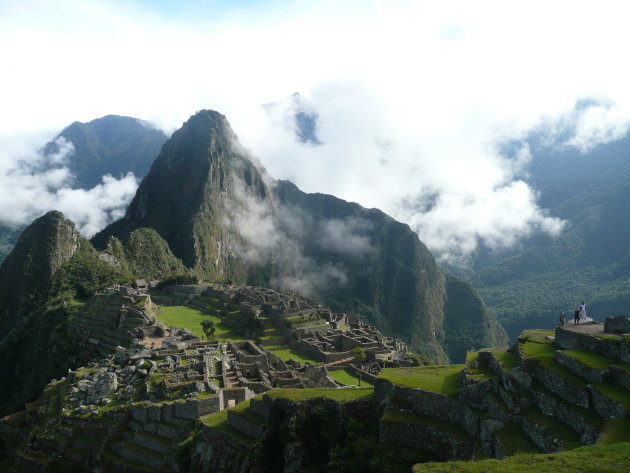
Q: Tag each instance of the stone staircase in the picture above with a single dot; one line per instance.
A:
(229, 376)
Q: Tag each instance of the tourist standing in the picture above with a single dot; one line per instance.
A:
(562, 319)
(582, 310)
(576, 316)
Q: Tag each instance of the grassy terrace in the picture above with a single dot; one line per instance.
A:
(536, 335)
(347, 378)
(616, 393)
(507, 359)
(190, 318)
(589, 414)
(544, 351)
(445, 379)
(554, 427)
(219, 421)
(243, 409)
(615, 431)
(391, 415)
(514, 440)
(595, 360)
(287, 353)
(340, 395)
(609, 459)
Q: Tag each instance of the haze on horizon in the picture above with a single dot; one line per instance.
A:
(413, 98)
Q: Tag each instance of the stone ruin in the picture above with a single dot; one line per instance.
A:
(111, 318)
(313, 328)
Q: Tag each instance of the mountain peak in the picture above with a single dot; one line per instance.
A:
(27, 273)
(199, 178)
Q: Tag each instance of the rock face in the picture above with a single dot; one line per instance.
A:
(26, 276)
(206, 201)
(619, 324)
(468, 323)
(388, 273)
(144, 253)
(112, 145)
(196, 185)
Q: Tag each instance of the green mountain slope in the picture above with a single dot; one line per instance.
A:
(112, 145)
(391, 277)
(195, 186)
(49, 268)
(206, 199)
(109, 145)
(589, 261)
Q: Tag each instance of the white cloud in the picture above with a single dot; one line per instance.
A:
(31, 184)
(412, 96)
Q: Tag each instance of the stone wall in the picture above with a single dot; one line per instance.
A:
(363, 374)
(618, 324)
(613, 346)
(432, 442)
(215, 451)
(436, 405)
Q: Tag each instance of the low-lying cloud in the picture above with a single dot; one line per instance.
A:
(32, 183)
(276, 235)
(411, 98)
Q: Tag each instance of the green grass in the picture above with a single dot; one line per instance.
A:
(190, 318)
(514, 440)
(243, 409)
(219, 421)
(608, 459)
(471, 357)
(554, 427)
(595, 360)
(615, 431)
(590, 415)
(215, 419)
(616, 393)
(440, 379)
(545, 353)
(507, 359)
(340, 395)
(394, 416)
(347, 378)
(287, 353)
(536, 335)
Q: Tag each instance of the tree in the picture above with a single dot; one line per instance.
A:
(208, 326)
(359, 354)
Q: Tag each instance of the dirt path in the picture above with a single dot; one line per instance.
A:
(590, 327)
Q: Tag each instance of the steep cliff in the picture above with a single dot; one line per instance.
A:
(144, 253)
(41, 283)
(207, 202)
(383, 270)
(26, 276)
(194, 188)
(112, 145)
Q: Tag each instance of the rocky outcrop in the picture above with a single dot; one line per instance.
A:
(195, 187)
(618, 324)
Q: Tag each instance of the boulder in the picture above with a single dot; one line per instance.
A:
(104, 385)
(618, 324)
